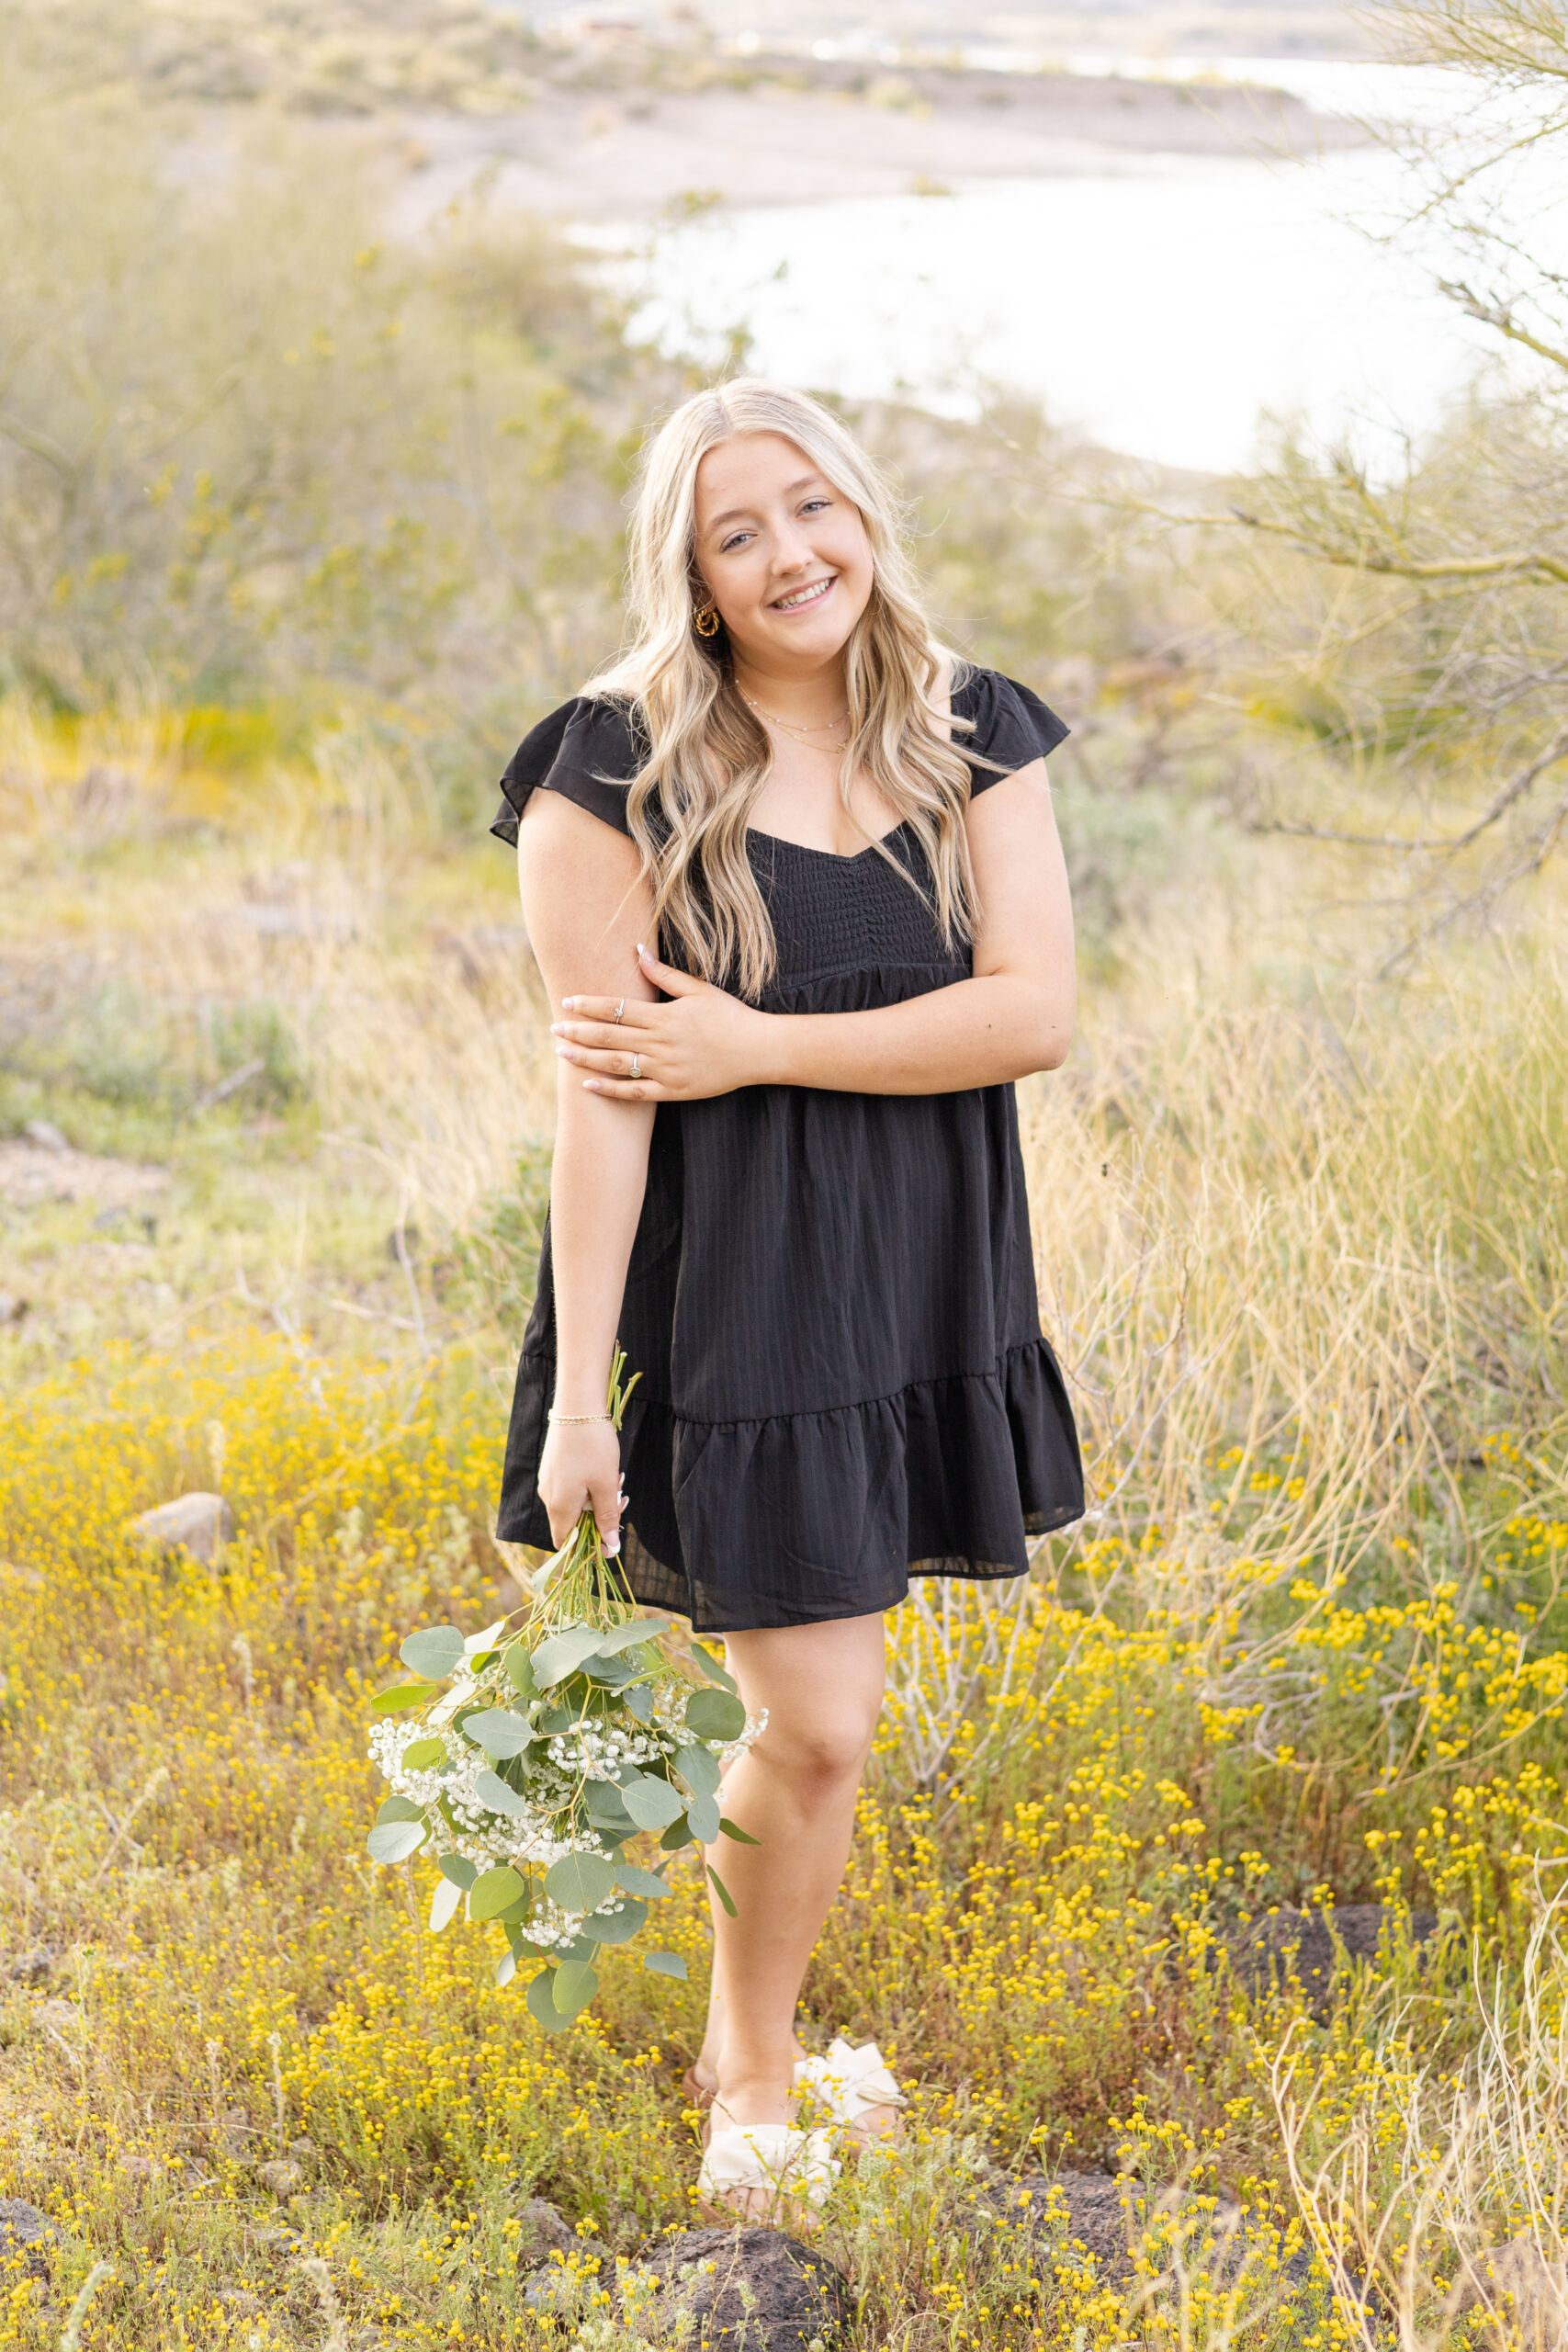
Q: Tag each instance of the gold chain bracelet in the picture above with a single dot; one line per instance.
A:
(578, 1417)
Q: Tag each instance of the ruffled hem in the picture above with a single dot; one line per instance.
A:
(804, 1517)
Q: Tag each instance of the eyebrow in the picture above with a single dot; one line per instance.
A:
(738, 514)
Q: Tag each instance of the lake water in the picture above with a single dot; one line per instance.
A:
(1171, 306)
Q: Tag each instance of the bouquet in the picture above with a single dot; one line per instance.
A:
(525, 1759)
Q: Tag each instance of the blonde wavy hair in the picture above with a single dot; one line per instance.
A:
(708, 756)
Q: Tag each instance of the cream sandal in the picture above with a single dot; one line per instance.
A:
(751, 2171)
(851, 2085)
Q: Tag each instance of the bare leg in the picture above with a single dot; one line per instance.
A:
(794, 1791)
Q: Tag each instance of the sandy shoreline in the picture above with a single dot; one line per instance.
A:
(615, 155)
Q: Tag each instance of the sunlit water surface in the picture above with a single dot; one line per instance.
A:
(1177, 308)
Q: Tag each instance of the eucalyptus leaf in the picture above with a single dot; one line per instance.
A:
(614, 1674)
(399, 1809)
(436, 1652)
(520, 1671)
(712, 1668)
(625, 1637)
(446, 1899)
(498, 1731)
(555, 1720)
(633, 1881)
(574, 1987)
(458, 1869)
(399, 1696)
(505, 1968)
(638, 1702)
(733, 1830)
(394, 1841)
(581, 1882)
(617, 1927)
(605, 1809)
(515, 1913)
(494, 1893)
(715, 1714)
(652, 1804)
(723, 1892)
(703, 1815)
(492, 1790)
(665, 1963)
(698, 1767)
(679, 1834)
(563, 1654)
(423, 1753)
(542, 2006)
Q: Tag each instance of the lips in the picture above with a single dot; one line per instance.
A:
(812, 594)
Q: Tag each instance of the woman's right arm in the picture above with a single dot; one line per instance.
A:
(586, 905)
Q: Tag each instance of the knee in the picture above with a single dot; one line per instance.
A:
(823, 1753)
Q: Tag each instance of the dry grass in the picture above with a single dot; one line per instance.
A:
(1304, 1260)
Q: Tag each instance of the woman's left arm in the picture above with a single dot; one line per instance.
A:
(1014, 1016)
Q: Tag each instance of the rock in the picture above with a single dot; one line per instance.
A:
(308, 2204)
(1102, 2212)
(552, 2287)
(196, 1524)
(1102, 2215)
(12, 1308)
(46, 1135)
(281, 2177)
(544, 2230)
(795, 2296)
(1538, 2289)
(1309, 1945)
(27, 2234)
(304, 2150)
(553, 2290)
(35, 1967)
(232, 2136)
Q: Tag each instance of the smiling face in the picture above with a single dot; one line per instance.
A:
(785, 556)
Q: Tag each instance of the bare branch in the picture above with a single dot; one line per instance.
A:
(1502, 321)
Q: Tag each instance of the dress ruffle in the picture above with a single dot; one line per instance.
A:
(990, 1452)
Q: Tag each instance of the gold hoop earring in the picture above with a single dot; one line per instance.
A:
(707, 621)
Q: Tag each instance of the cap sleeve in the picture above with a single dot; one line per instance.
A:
(1011, 726)
(589, 750)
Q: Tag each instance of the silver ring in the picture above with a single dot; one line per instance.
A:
(636, 1068)
(619, 1009)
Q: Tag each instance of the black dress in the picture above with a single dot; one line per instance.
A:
(831, 1297)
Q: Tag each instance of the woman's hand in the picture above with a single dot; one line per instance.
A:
(700, 1044)
(579, 1470)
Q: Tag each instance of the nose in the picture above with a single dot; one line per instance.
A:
(791, 548)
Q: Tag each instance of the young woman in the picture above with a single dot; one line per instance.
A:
(792, 879)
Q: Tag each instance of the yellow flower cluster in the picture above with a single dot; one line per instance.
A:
(242, 2073)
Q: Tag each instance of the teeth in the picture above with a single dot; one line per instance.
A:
(804, 596)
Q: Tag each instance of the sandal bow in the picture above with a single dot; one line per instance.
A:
(849, 2083)
(773, 2157)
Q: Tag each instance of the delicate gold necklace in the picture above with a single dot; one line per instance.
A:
(800, 733)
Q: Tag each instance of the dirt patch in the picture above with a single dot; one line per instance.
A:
(31, 1175)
